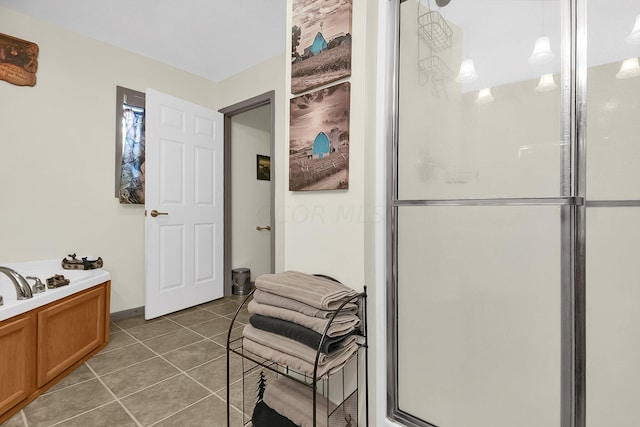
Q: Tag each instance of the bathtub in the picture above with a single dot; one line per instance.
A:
(79, 281)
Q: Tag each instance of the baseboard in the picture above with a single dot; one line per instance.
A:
(126, 314)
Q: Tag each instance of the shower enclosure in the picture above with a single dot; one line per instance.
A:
(514, 208)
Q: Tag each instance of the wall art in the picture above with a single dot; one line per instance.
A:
(130, 146)
(18, 61)
(319, 139)
(263, 167)
(321, 43)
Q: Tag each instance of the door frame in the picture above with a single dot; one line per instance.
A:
(267, 98)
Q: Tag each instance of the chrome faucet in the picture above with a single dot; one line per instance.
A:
(23, 290)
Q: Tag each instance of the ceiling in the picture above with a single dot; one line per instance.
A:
(213, 39)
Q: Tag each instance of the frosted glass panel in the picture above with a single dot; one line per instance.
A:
(613, 316)
(497, 134)
(613, 153)
(479, 315)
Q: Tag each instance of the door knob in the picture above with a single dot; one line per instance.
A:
(268, 228)
(155, 213)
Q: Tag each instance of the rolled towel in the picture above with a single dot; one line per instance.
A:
(295, 401)
(318, 292)
(342, 324)
(298, 333)
(279, 301)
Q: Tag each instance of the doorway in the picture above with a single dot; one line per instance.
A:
(249, 188)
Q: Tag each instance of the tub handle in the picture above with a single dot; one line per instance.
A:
(38, 286)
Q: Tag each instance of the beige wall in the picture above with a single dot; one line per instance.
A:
(58, 153)
(325, 229)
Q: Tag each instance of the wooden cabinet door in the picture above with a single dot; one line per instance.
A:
(17, 360)
(69, 330)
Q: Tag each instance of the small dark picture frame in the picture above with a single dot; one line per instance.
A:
(263, 167)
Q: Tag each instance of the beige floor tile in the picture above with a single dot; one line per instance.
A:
(210, 412)
(249, 389)
(81, 374)
(213, 375)
(118, 340)
(222, 337)
(215, 302)
(136, 377)
(173, 340)
(15, 421)
(110, 415)
(212, 327)
(194, 317)
(54, 407)
(195, 354)
(163, 400)
(132, 322)
(105, 363)
(152, 330)
(224, 309)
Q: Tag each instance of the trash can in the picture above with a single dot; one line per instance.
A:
(240, 281)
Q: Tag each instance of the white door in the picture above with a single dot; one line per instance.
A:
(183, 204)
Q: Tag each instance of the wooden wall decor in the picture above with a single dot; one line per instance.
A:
(18, 61)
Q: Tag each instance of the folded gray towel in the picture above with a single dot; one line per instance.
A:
(341, 325)
(296, 363)
(318, 292)
(267, 298)
(294, 348)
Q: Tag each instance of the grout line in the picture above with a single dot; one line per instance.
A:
(135, 420)
(180, 370)
(186, 407)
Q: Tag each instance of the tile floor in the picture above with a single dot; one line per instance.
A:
(169, 371)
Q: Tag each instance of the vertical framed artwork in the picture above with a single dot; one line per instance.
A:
(321, 43)
(319, 139)
(263, 167)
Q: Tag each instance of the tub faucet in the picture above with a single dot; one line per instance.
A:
(23, 290)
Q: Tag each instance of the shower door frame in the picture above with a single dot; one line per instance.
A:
(572, 211)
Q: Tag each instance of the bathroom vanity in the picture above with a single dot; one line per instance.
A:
(41, 346)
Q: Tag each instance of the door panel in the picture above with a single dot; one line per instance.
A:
(184, 156)
(613, 350)
(173, 168)
(479, 315)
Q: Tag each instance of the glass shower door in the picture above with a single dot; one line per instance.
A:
(613, 214)
(481, 207)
